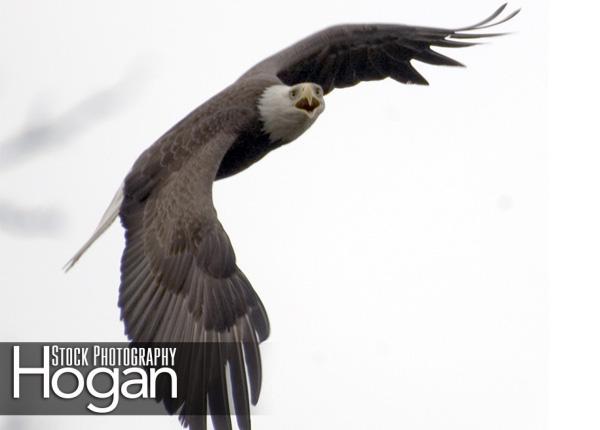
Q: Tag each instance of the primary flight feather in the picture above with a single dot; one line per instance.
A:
(179, 277)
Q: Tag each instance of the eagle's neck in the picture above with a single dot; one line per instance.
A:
(281, 120)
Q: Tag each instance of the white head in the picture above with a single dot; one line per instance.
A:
(287, 112)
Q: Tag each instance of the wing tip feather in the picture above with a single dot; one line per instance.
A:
(490, 20)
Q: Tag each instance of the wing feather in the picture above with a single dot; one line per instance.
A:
(359, 52)
(180, 282)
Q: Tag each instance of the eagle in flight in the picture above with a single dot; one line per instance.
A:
(179, 278)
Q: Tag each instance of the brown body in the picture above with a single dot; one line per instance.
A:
(179, 277)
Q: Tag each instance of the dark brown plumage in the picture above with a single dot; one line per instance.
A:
(344, 55)
(179, 278)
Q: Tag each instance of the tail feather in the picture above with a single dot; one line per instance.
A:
(108, 218)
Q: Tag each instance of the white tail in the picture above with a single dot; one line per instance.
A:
(108, 218)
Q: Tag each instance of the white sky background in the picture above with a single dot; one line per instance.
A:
(400, 245)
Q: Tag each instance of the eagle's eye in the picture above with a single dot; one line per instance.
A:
(293, 94)
(318, 91)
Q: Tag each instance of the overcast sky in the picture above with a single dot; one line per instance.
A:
(399, 246)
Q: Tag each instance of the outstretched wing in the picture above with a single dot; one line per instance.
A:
(179, 278)
(344, 55)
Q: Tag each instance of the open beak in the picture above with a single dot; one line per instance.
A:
(308, 102)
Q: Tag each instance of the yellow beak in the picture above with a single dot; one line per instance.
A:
(308, 101)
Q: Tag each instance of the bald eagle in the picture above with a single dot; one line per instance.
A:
(179, 277)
